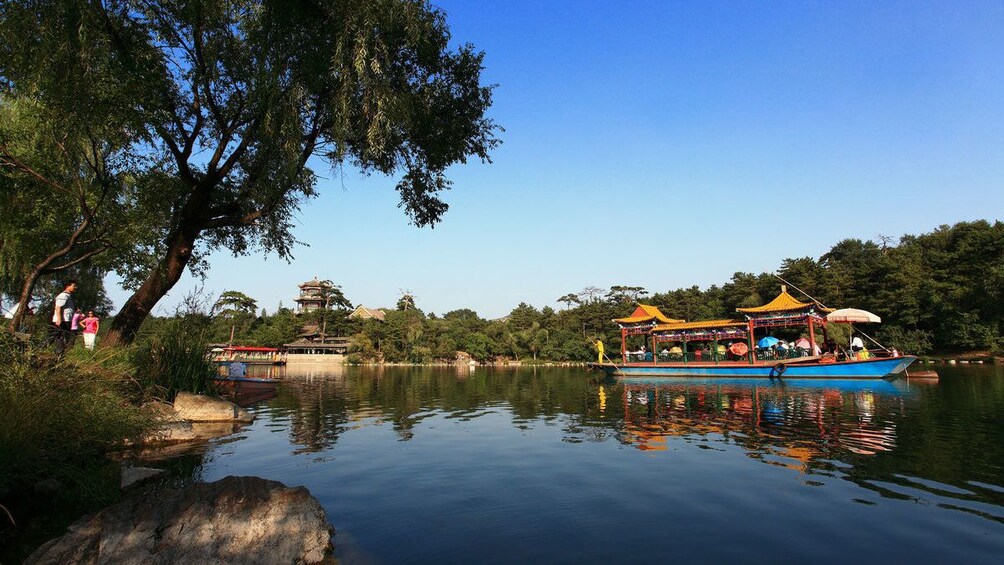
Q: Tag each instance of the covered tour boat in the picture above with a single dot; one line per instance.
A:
(731, 348)
(249, 355)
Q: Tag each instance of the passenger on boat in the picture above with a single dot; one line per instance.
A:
(857, 344)
(238, 369)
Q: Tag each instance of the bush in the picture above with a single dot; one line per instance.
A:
(59, 416)
(175, 359)
(913, 342)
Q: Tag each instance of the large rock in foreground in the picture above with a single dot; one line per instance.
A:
(234, 520)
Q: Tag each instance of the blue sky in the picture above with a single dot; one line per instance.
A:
(671, 144)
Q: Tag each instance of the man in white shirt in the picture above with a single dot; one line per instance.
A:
(62, 316)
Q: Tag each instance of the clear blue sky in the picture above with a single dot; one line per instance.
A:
(670, 144)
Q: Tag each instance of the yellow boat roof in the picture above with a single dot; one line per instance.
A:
(646, 313)
(783, 303)
(699, 325)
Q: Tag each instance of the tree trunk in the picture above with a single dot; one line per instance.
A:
(25, 298)
(161, 280)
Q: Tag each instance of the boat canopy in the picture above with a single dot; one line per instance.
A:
(784, 311)
(784, 302)
(645, 313)
(701, 330)
(700, 325)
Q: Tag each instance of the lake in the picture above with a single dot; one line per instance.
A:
(559, 465)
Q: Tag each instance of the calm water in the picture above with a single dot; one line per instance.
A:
(560, 465)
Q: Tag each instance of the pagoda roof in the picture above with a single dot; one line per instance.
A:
(646, 313)
(314, 283)
(700, 325)
(784, 302)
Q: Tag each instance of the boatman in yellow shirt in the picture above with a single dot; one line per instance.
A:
(599, 351)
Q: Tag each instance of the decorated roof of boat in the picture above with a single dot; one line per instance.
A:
(783, 303)
(699, 325)
(646, 313)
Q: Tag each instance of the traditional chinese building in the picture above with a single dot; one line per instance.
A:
(313, 293)
(364, 313)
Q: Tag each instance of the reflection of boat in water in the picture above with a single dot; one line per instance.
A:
(882, 386)
(728, 348)
(815, 420)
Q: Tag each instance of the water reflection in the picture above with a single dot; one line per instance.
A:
(939, 445)
(789, 426)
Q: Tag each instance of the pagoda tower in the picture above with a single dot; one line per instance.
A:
(312, 296)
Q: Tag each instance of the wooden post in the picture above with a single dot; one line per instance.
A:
(655, 353)
(812, 338)
(714, 347)
(684, 349)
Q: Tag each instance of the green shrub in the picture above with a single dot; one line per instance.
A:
(59, 417)
(175, 359)
(913, 342)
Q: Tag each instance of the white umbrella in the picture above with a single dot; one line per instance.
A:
(852, 315)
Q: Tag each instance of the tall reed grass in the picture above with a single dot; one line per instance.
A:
(175, 359)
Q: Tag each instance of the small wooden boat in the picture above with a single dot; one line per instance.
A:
(245, 384)
(922, 375)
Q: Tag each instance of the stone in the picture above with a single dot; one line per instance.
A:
(134, 475)
(199, 408)
(234, 520)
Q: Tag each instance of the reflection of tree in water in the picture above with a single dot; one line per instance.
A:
(320, 408)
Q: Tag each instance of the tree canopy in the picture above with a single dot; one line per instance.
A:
(222, 104)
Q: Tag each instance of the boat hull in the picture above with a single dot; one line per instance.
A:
(866, 369)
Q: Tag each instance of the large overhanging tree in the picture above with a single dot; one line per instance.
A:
(226, 102)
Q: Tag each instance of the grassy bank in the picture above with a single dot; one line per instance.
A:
(61, 416)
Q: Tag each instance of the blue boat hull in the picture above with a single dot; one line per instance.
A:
(867, 369)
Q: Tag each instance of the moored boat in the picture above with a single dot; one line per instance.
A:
(245, 384)
(249, 355)
(728, 348)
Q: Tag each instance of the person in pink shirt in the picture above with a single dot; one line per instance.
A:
(75, 320)
(90, 324)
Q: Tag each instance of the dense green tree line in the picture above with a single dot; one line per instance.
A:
(939, 291)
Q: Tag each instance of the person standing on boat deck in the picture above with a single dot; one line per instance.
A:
(62, 317)
(599, 351)
(857, 344)
(90, 324)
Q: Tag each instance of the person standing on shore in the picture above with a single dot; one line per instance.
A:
(62, 317)
(78, 315)
(91, 325)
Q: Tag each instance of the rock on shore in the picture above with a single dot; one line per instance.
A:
(233, 520)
